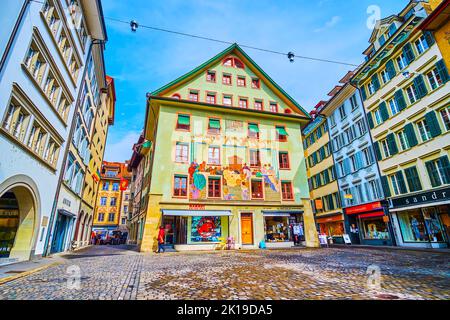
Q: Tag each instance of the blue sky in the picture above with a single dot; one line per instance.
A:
(146, 60)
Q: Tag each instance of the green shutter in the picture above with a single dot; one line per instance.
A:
(375, 82)
(428, 38)
(383, 111)
(401, 182)
(370, 120)
(392, 144)
(214, 123)
(184, 120)
(253, 127)
(412, 177)
(442, 70)
(400, 99)
(432, 173)
(409, 54)
(376, 147)
(282, 131)
(363, 93)
(385, 185)
(444, 167)
(433, 124)
(390, 69)
(420, 86)
(411, 135)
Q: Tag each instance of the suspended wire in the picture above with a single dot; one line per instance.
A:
(289, 54)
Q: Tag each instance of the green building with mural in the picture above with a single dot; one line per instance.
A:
(226, 161)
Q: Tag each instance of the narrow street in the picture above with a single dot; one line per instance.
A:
(120, 273)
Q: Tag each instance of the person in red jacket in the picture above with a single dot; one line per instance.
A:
(161, 235)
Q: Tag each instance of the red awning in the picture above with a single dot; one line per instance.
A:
(371, 214)
(364, 208)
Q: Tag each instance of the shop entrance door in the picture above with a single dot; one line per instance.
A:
(247, 228)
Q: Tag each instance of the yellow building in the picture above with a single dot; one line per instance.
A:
(103, 118)
(324, 191)
(406, 91)
(438, 22)
(114, 180)
(227, 160)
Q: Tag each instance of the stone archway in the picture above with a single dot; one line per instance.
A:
(19, 218)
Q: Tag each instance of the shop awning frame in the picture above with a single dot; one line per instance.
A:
(281, 213)
(430, 204)
(196, 213)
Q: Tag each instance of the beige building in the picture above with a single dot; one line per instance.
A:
(321, 173)
(406, 93)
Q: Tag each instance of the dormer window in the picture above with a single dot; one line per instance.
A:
(381, 40)
(233, 62)
(392, 29)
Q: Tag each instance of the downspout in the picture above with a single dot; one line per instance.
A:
(50, 229)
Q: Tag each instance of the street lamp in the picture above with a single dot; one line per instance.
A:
(134, 25)
(291, 56)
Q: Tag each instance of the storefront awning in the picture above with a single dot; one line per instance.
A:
(196, 213)
(280, 213)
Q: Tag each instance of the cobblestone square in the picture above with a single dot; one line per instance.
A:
(117, 272)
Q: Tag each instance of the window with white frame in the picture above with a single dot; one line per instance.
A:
(403, 140)
(421, 44)
(214, 155)
(434, 78)
(445, 115)
(412, 93)
(424, 130)
(393, 107)
(384, 76)
(401, 62)
(385, 146)
(181, 152)
(378, 118)
(395, 184)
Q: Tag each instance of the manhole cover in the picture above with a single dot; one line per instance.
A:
(387, 296)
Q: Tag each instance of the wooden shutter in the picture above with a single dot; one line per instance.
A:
(390, 69)
(433, 124)
(392, 144)
(420, 86)
(400, 99)
(385, 185)
(428, 38)
(370, 120)
(442, 70)
(384, 112)
(411, 135)
(401, 182)
(376, 147)
(409, 54)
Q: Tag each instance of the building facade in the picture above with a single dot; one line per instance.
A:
(366, 213)
(227, 160)
(406, 94)
(113, 183)
(40, 79)
(103, 118)
(324, 191)
(136, 212)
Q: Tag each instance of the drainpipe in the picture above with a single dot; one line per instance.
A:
(51, 224)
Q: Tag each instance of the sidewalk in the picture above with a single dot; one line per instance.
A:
(17, 270)
(361, 246)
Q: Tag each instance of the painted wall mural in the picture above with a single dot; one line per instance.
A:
(235, 177)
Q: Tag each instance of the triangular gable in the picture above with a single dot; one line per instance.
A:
(240, 54)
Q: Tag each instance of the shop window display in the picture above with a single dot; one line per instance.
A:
(375, 228)
(412, 226)
(434, 228)
(206, 229)
(277, 229)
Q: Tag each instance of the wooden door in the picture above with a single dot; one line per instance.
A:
(247, 228)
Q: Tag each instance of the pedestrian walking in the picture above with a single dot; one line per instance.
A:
(161, 235)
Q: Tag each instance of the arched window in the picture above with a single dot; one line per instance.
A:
(238, 63)
(176, 96)
(228, 62)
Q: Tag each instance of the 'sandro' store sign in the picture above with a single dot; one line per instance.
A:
(422, 198)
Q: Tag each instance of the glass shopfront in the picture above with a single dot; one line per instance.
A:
(421, 225)
(284, 228)
(375, 229)
(205, 229)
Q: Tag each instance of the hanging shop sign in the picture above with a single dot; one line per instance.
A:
(319, 204)
(422, 198)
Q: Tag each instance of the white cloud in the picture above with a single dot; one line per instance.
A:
(329, 24)
(120, 150)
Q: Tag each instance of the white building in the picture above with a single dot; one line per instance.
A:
(43, 61)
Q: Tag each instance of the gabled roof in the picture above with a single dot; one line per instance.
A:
(335, 90)
(234, 48)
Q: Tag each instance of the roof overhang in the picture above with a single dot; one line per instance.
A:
(93, 13)
(437, 18)
(346, 91)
